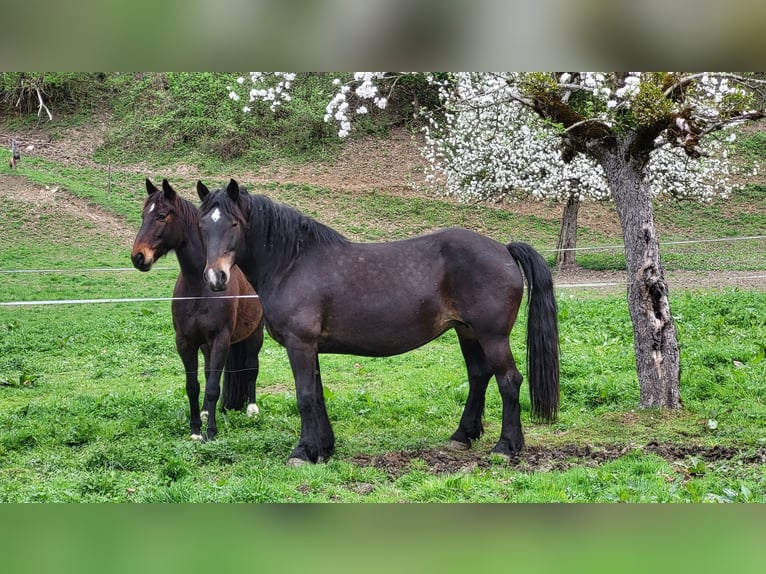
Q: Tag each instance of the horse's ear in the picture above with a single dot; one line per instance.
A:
(202, 190)
(170, 193)
(150, 187)
(233, 190)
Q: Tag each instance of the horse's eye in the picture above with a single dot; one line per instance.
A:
(161, 216)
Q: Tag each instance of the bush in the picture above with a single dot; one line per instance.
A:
(61, 91)
(173, 114)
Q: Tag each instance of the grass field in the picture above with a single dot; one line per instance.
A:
(94, 407)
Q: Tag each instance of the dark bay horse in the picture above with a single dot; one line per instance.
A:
(228, 330)
(321, 293)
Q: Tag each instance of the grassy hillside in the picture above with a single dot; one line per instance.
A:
(95, 408)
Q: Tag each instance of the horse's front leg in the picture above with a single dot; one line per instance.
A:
(317, 441)
(189, 357)
(214, 365)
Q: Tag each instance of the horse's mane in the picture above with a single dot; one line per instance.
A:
(284, 231)
(188, 212)
(287, 231)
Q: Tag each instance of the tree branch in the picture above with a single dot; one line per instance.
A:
(42, 105)
(744, 117)
(601, 123)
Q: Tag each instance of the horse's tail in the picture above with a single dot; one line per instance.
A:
(236, 377)
(542, 332)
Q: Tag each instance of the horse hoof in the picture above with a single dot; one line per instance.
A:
(457, 445)
(203, 415)
(295, 462)
(252, 410)
(197, 437)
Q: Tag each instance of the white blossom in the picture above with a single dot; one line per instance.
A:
(486, 144)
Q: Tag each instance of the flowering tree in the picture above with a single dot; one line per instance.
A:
(487, 145)
(586, 135)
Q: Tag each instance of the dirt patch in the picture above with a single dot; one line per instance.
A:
(393, 164)
(71, 146)
(54, 200)
(546, 459)
(611, 282)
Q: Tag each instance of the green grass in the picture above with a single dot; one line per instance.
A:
(95, 408)
(101, 414)
(375, 215)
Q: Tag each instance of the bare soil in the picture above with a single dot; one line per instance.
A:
(53, 200)
(545, 459)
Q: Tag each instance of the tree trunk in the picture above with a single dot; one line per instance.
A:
(566, 257)
(654, 333)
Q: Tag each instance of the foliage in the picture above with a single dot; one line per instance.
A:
(61, 91)
(500, 137)
(170, 115)
(493, 135)
(174, 115)
(751, 151)
(397, 98)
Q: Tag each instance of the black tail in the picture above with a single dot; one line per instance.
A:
(237, 378)
(542, 332)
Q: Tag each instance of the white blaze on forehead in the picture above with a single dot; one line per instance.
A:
(216, 215)
(151, 208)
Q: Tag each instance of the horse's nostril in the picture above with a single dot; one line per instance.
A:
(216, 279)
(139, 262)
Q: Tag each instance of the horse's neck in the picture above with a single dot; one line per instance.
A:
(279, 241)
(191, 253)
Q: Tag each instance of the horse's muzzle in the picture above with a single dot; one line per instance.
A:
(140, 262)
(216, 279)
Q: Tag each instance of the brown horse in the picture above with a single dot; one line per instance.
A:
(213, 322)
(321, 293)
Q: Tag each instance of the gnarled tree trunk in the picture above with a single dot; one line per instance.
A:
(654, 333)
(566, 257)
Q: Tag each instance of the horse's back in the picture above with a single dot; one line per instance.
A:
(388, 298)
(482, 280)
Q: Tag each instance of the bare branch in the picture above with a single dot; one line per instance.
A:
(686, 80)
(42, 105)
(581, 123)
(744, 117)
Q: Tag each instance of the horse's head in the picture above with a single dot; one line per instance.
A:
(223, 219)
(161, 228)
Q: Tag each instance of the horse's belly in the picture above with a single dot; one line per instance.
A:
(380, 338)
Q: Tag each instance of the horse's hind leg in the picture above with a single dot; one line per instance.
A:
(189, 357)
(254, 344)
(479, 373)
(509, 381)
